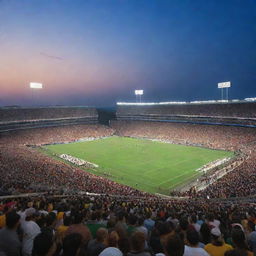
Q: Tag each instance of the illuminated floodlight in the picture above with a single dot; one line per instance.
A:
(138, 92)
(202, 101)
(222, 101)
(172, 102)
(224, 85)
(137, 103)
(33, 85)
(250, 99)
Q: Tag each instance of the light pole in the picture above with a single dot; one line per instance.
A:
(222, 86)
(35, 86)
(138, 94)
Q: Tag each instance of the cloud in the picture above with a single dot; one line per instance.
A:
(50, 56)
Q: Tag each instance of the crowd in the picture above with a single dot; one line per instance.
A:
(122, 220)
(25, 114)
(214, 110)
(105, 226)
(211, 136)
(238, 183)
(24, 169)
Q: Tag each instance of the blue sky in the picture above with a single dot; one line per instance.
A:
(97, 52)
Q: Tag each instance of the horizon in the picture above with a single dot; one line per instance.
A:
(96, 53)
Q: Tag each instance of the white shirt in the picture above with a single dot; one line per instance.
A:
(215, 223)
(31, 230)
(192, 251)
(196, 226)
(111, 251)
(43, 212)
(22, 216)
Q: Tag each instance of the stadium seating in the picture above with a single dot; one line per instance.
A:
(77, 213)
(14, 118)
(225, 113)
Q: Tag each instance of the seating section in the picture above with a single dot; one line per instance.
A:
(24, 118)
(228, 113)
(24, 169)
(68, 211)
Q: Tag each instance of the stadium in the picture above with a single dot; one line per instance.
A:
(166, 153)
(163, 149)
(127, 128)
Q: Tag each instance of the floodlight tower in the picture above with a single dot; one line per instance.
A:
(138, 94)
(222, 86)
(35, 86)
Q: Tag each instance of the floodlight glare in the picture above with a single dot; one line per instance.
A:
(224, 85)
(138, 92)
(36, 85)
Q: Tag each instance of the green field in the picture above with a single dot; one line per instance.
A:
(150, 166)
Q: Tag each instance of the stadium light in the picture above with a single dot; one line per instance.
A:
(137, 103)
(223, 85)
(138, 94)
(250, 99)
(183, 102)
(202, 101)
(35, 88)
(172, 102)
(34, 85)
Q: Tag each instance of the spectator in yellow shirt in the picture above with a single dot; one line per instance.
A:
(61, 230)
(217, 247)
(3, 217)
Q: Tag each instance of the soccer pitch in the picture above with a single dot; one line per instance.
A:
(151, 166)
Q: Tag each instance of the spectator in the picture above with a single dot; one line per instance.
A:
(61, 230)
(194, 223)
(30, 231)
(72, 244)
(97, 245)
(217, 247)
(252, 236)
(140, 227)
(192, 248)
(138, 245)
(205, 234)
(174, 246)
(3, 217)
(43, 245)
(10, 244)
(112, 249)
(148, 222)
(239, 242)
(80, 228)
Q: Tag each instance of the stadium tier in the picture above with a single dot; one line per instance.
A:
(66, 209)
(242, 113)
(15, 118)
(26, 168)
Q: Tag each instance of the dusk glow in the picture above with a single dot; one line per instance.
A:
(98, 52)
